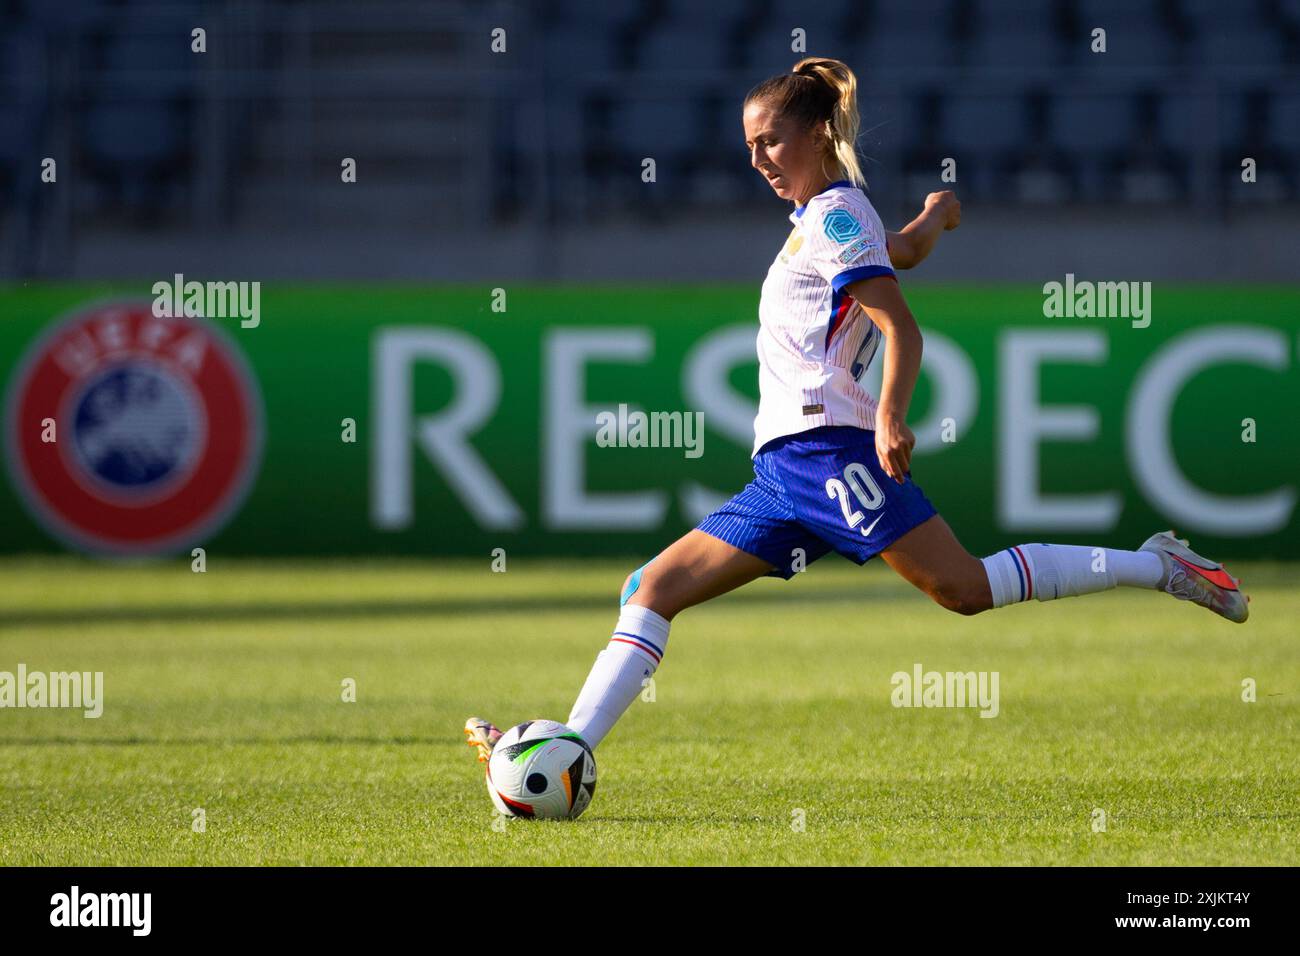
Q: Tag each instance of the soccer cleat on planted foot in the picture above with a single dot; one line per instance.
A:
(1190, 577)
(482, 734)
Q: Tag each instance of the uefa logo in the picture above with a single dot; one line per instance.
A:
(157, 430)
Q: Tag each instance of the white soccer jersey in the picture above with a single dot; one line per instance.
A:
(814, 340)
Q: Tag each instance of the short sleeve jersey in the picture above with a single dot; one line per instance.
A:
(814, 341)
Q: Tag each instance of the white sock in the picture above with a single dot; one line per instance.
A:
(1051, 571)
(632, 656)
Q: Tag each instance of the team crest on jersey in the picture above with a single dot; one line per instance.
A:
(131, 434)
(840, 225)
(792, 245)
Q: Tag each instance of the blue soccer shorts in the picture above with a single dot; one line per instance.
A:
(815, 492)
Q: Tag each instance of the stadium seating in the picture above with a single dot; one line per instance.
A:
(1010, 88)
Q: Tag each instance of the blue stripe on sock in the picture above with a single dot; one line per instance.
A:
(638, 637)
(1019, 573)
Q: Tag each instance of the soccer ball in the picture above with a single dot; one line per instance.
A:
(541, 770)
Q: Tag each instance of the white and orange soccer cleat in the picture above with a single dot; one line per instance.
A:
(1190, 577)
(482, 734)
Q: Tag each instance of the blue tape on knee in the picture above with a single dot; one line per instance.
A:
(633, 583)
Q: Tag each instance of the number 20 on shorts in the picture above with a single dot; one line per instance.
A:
(864, 489)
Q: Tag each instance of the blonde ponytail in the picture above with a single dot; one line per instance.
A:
(842, 127)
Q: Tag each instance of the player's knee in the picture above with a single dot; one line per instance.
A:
(642, 587)
(632, 584)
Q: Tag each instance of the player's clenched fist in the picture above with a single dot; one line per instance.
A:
(894, 443)
(949, 206)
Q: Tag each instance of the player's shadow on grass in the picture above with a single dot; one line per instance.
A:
(297, 611)
(138, 741)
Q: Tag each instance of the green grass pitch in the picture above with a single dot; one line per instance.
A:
(223, 692)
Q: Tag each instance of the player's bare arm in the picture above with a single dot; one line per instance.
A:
(883, 302)
(910, 245)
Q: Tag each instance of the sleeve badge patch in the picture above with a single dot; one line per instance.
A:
(840, 225)
(851, 252)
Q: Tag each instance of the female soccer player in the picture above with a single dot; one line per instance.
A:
(830, 461)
